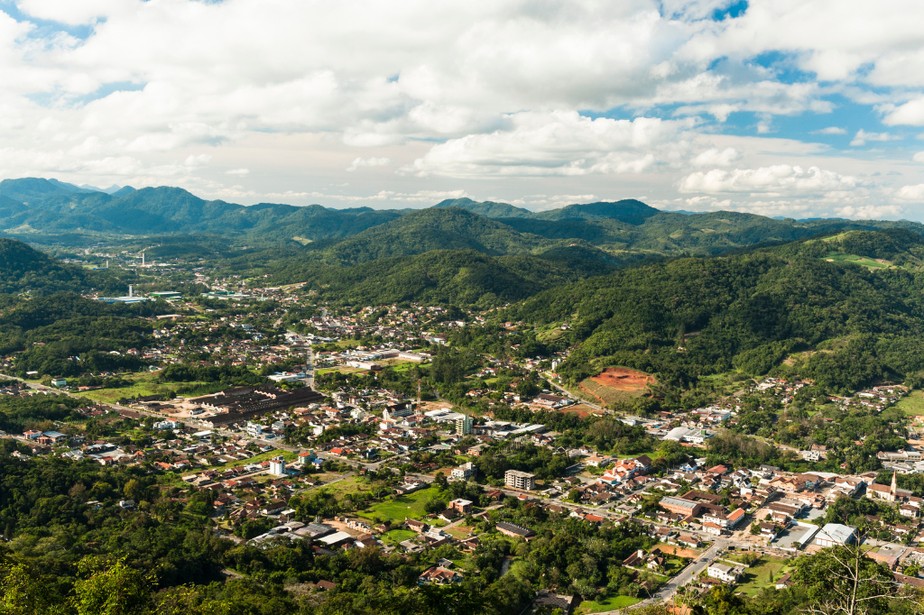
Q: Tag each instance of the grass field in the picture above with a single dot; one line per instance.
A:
(913, 404)
(609, 604)
(396, 537)
(459, 532)
(762, 575)
(855, 259)
(145, 384)
(343, 369)
(399, 508)
(259, 458)
(335, 485)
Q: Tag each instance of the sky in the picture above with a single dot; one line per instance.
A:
(798, 108)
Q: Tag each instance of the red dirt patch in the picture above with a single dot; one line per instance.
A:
(622, 379)
(582, 410)
(677, 551)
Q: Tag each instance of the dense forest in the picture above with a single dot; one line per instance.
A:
(842, 324)
(65, 334)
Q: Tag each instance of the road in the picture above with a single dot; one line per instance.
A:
(548, 377)
(689, 573)
(665, 593)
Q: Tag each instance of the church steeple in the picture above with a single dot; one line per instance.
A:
(893, 490)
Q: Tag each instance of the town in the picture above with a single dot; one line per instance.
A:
(334, 441)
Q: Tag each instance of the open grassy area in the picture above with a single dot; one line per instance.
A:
(762, 575)
(397, 509)
(609, 604)
(145, 384)
(855, 259)
(258, 458)
(337, 485)
(673, 565)
(343, 369)
(399, 365)
(396, 537)
(460, 532)
(912, 404)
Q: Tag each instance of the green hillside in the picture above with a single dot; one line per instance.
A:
(692, 317)
(56, 208)
(489, 209)
(23, 268)
(433, 229)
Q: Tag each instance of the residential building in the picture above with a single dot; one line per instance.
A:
(516, 479)
(724, 572)
(464, 425)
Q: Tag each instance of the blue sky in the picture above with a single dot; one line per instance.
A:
(780, 107)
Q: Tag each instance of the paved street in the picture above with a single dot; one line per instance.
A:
(689, 573)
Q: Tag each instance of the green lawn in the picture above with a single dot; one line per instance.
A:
(673, 565)
(259, 458)
(335, 485)
(343, 369)
(397, 509)
(913, 404)
(762, 575)
(395, 537)
(459, 532)
(145, 384)
(609, 604)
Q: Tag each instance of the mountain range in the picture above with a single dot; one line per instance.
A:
(51, 211)
(458, 251)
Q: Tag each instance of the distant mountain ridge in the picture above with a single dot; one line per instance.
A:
(35, 205)
(36, 209)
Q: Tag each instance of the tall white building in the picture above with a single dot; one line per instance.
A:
(519, 480)
(277, 466)
(464, 425)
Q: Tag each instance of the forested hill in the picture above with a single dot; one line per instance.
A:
(33, 205)
(44, 209)
(847, 310)
(434, 229)
(23, 268)
(463, 277)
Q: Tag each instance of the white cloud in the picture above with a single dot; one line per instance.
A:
(197, 160)
(777, 179)
(359, 163)
(693, 9)
(862, 138)
(73, 13)
(914, 193)
(495, 98)
(558, 143)
(835, 39)
(910, 113)
(870, 212)
(717, 158)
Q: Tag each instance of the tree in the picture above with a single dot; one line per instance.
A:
(116, 590)
(23, 592)
(842, 580)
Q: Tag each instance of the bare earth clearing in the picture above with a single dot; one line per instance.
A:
(615, 383)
